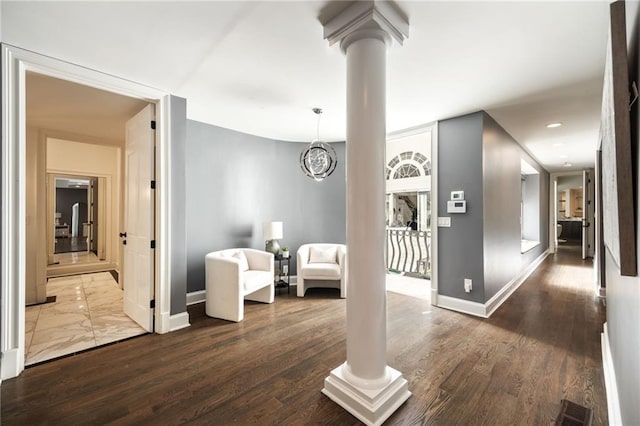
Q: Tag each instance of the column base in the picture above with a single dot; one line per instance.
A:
(370, 406)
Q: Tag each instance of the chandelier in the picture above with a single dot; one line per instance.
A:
(319, 159)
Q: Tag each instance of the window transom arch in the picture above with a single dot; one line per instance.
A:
(408, 164)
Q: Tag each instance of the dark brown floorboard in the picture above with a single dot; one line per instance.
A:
(541, 346)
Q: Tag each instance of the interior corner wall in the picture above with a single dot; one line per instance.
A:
(177, 191)
(503, 260)
(623, 293)
(460, 248)
(36, 222)
(236, 181)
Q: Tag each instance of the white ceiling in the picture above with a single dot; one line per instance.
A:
(259, 67)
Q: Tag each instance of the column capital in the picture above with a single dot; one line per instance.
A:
(378, 15)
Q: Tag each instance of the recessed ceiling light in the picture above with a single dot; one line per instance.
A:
(567, 164)
(554, 125)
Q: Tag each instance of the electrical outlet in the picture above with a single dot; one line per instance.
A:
(468, 285)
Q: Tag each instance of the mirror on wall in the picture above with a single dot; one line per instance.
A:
(76, 210)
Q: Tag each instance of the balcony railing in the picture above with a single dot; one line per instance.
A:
(408, 251)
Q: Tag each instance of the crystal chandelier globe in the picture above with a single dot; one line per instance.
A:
(318, 160)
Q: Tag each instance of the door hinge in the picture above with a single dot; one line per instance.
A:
(153, 184)
(152, 303)
(153, 124)
(153, 244)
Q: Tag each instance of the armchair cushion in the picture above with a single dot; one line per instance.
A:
(322, 254)
(322, 271)
(253, 280)
(242, 259)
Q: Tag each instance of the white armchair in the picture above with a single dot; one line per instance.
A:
(234, 275)
(322, 265)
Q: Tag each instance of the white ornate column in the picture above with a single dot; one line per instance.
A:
(364, 385)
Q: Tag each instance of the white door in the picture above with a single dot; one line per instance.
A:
(138, 276)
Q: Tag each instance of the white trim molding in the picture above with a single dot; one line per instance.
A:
(485, 310)
(196, 297)
(501, 296)
(179, 321)
(370, 406)
(15, 64)
(611, 385)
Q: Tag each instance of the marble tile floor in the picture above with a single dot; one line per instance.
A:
(409, 286)
(87, 313)
(75, 258)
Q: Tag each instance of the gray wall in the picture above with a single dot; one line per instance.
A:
(503, 260)
(178, 183)
(460, 248)
(236, 181)
(477, 155)
(623, 293)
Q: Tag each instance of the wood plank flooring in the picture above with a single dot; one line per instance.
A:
(541, 346)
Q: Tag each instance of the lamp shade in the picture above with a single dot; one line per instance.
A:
(272, 230)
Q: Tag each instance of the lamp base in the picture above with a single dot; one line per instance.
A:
(272, 246)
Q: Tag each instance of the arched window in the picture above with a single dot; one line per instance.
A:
(408, 164)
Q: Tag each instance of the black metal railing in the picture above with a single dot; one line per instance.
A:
(409, 252)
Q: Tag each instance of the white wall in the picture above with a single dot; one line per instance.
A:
(89, 159)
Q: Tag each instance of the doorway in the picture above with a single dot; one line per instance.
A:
(84, 287)
(574, 210)
(409, 216)
(16, 195)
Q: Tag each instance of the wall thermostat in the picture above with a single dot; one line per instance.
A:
(457, 206)
(457, 195)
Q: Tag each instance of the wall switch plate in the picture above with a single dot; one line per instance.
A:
(468, 285)
(444, 222)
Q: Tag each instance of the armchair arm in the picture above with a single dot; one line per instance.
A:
(225, 269)
(259, 260)
(302, 257)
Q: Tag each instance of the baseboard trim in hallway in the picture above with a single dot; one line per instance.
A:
(613, 403)
(485, 310)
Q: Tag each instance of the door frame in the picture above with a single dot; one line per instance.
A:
(424, 128)
(15, 64)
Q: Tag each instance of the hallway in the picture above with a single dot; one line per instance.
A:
(541, 346)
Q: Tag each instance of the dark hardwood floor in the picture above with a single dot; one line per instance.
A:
(541, 346)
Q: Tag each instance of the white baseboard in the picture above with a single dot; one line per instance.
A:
(500, 297)
(10, 364)
(613, 403)
(196, 297)
(178, 321)
(485, 310)
(461, 305)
